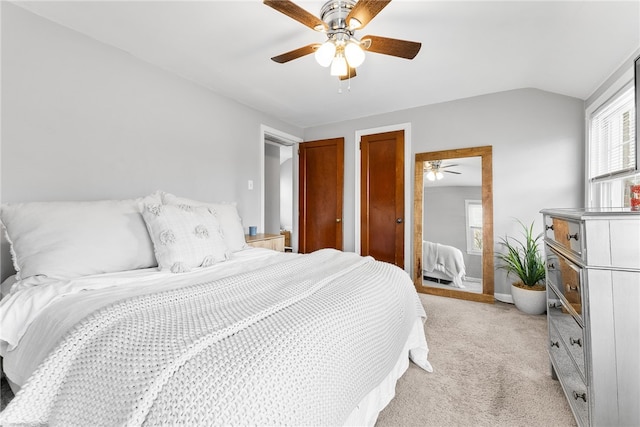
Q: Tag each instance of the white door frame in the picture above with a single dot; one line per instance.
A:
(264, 130)
(408, 197)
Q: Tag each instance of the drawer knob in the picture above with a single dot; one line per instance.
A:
(572, 288)
(548, 227)
(582, 396)
(577, 342)
(555, 344)
(551, 266)
(572, 236)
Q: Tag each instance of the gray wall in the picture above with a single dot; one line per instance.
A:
(445, 222)
(271, 189)
(538, 152)
(286, 194)
(82, 120)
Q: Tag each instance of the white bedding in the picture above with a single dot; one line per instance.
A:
(53, 308)
(437, 257)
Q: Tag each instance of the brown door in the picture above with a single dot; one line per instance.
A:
(382, 197)
(321, 194)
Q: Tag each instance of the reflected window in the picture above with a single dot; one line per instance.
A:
(473, 209)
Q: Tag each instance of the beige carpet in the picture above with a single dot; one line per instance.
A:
(490, 369)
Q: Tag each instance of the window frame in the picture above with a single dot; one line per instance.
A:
(599, 191)
(471, 248)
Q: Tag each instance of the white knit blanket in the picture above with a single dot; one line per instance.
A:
(444, 258)
(296, 343)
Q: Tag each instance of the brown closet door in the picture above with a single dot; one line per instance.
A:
(321, 194)
(382, 197)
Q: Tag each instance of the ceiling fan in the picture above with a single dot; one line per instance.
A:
(435, 169)
(340, 19)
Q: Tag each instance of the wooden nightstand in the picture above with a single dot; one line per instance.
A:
(268, 241)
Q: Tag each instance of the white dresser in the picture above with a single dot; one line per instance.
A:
(593, 295)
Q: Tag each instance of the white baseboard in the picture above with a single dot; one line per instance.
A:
(504, 298)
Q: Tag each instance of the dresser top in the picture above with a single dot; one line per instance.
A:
(592, 213)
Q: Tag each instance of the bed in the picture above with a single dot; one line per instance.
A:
(443, 262)
(120, 322)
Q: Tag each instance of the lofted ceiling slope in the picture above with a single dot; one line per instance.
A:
(469, 48)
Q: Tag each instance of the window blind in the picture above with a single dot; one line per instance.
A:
(612, 148)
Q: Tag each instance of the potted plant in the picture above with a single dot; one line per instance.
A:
(524, 260)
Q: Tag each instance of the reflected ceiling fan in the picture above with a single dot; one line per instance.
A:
(340, 19)
(434, 170)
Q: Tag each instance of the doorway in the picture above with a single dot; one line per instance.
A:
(408, 195)
(321, 181)
(279, 199)
(382, 196)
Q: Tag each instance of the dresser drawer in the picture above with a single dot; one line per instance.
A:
(593, 290)
(567, 278)
(572, 382)
(568, 330)
(567, 234)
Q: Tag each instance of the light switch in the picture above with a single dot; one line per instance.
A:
(250, 184)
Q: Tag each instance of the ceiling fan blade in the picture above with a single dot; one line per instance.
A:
(295, 54)
(294, 11)
(351, 73)
(364, 11)
(394, 47)
(457, 173)
(448, 166)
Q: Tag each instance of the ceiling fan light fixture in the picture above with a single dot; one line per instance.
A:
(354, 54)
(338, 20)
(354, 24)
(431, 176)
(339, 65)
(325, 53)
(439, 175)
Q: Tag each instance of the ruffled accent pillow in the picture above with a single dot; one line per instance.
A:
(184, 237)
(227, 215)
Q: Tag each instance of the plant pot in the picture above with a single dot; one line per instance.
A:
(529, 301)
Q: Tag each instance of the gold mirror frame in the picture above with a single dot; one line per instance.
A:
(486, 154)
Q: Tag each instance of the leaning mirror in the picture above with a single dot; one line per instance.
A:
(453, 223)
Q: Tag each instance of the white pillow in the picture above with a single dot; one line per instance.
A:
(64, 240)
(184, 236)
(227, 215)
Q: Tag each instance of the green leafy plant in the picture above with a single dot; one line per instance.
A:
(523, 259)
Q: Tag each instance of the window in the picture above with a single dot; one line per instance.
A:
(473, 209)
(612, 151)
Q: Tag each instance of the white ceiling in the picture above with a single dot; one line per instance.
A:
(469, 48)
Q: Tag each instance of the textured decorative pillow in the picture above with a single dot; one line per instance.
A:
(64, 240)
(184, 236)
(227, 215)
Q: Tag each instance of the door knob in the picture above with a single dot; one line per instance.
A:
(399, 220)
(338, 220)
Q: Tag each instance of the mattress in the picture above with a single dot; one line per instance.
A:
(38, 320)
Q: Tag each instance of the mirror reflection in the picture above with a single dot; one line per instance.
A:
(452, 224)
